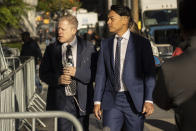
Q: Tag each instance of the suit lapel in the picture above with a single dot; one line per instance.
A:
(57, 56)
(111, 49)
(79, 51)
(58, 51)
(129, 52)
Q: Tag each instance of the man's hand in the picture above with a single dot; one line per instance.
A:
(71, 71)
(148, 109)
(64, 80)
(97, 111)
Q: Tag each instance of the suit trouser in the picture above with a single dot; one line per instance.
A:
(68, 104)
(123, 114)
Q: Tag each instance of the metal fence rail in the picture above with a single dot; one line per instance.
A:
(13, 62)
(3, 65)
(36, 115)
(16, 89)
(23, 85)
(17, 96)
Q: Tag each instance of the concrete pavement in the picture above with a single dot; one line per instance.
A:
(160, 120)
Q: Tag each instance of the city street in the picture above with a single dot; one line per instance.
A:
(141, 43)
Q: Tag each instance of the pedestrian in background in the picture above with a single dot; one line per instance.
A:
(47, 38)
(182, 46)
(31, 48)
(125, 76)
(40, 33)
(176, 85)
(68, 67)
(93, 38)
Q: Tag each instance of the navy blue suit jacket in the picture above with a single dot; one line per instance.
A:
(138, 72)
(51, 69)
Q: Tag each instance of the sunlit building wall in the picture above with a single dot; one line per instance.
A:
(29, 21)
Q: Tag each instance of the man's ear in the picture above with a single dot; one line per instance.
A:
(125, 19)
(74, 30)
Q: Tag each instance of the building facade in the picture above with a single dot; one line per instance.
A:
(29, 21)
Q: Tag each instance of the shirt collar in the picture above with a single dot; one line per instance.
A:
(72, 43)
(125, 35)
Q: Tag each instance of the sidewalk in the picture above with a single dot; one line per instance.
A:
(160, 120)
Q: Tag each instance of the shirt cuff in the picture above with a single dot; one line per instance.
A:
(97, 102)
(149, 101)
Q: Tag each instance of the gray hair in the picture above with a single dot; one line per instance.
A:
(71, 19)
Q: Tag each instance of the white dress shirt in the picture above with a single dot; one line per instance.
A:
(74, 51)
(123, 49)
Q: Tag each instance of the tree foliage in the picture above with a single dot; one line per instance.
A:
(11, 12)
(54, 6)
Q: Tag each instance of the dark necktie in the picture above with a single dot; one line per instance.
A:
(70, 89)
(117, 64)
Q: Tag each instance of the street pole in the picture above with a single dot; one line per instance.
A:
(135, 10)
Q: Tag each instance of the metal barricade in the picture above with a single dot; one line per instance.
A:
(37, 104)
(3, 64)
(51, 114)
(16, 90)
(7, 103)
(13, 62)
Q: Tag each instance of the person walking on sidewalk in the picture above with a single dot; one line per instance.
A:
(67, 68)
(125, 76)
(31, 48)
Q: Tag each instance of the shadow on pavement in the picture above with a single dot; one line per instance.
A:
(163, 125)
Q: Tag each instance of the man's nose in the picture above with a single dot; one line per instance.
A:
(109, 21)
(59, 31)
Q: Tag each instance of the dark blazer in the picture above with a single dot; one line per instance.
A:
(51, 68)
(138, 72)
(31, 48)
(176, 86)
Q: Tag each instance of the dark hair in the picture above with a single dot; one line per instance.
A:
(25, 34)
(187, 15)
(122, 11)
(134, 28)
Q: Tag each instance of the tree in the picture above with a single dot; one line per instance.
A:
(11, 12)
(54, 6)
(43, 5)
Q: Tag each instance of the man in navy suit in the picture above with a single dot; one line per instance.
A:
(58, 76)
(125, 76)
